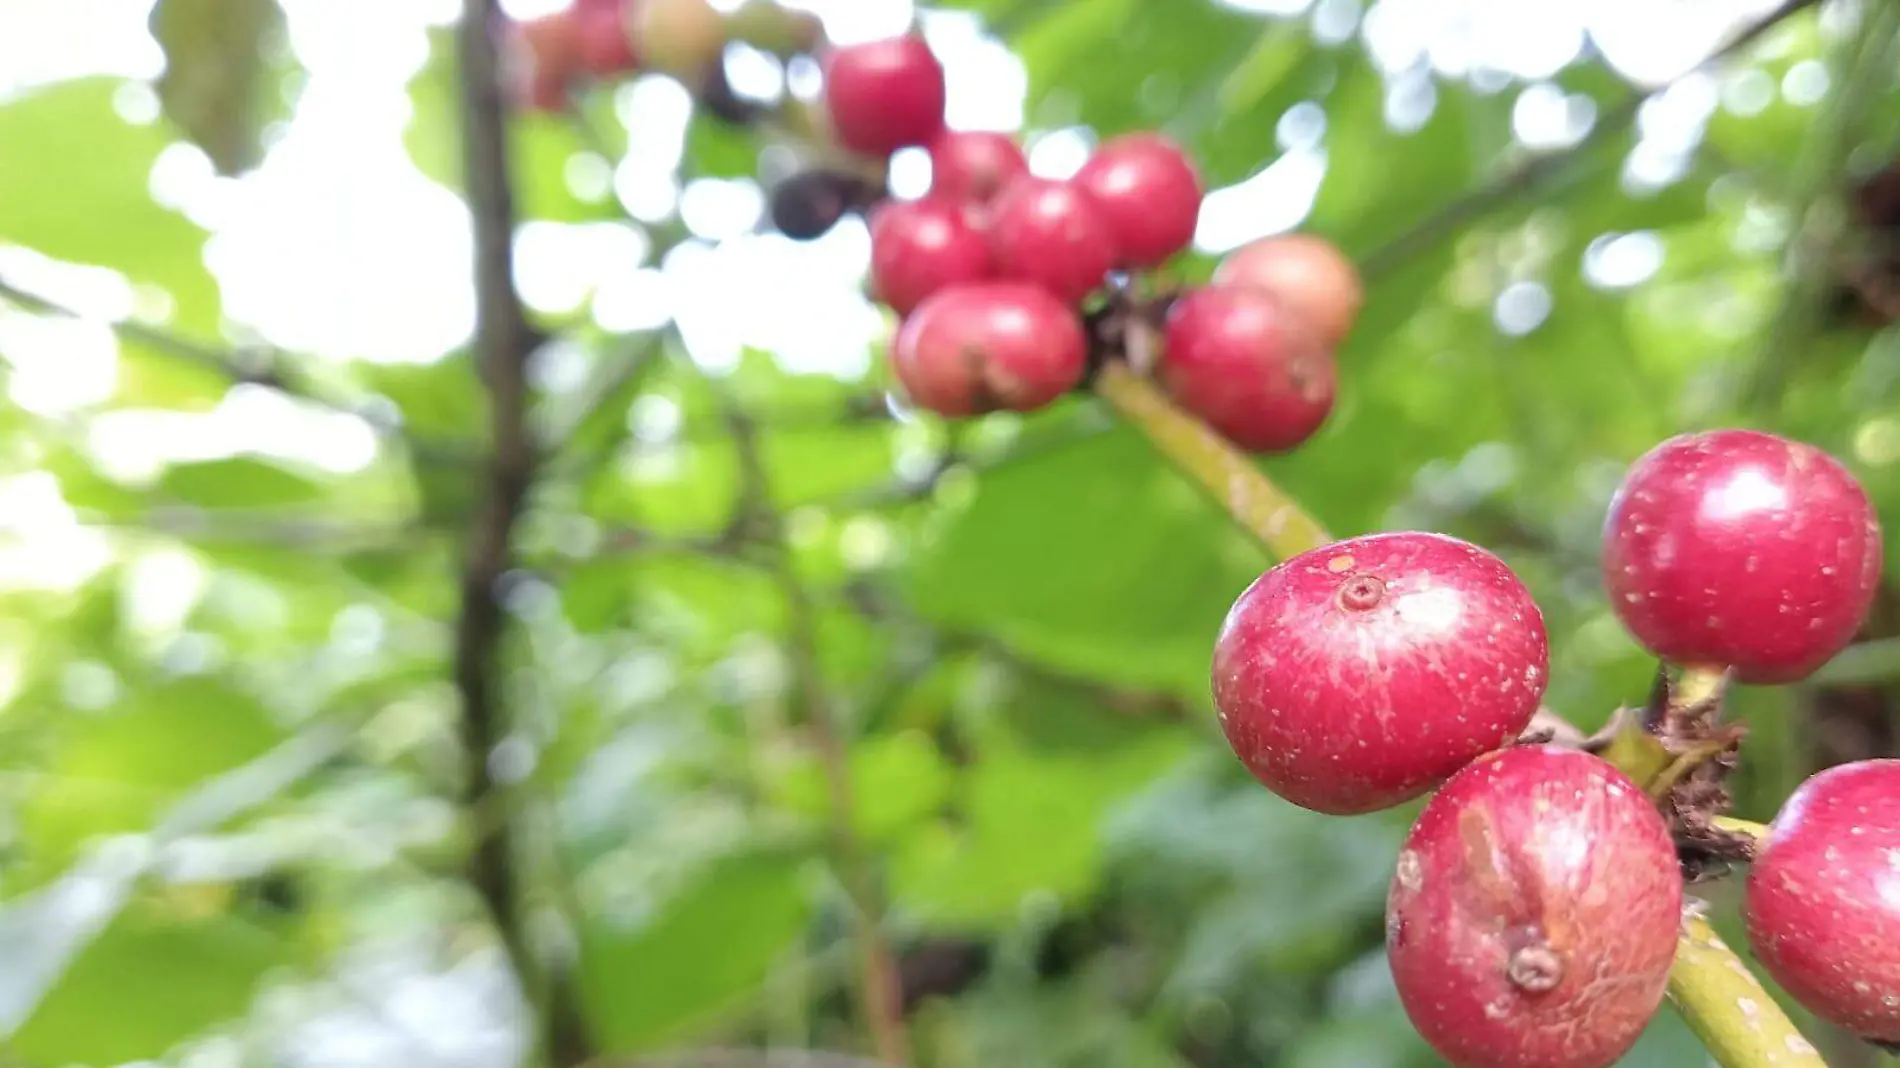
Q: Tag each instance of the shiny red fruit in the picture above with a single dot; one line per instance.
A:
(986, 346)
(973, 166)
(1734, 547)
(919, 247)
(1149, 195)
(606, 42)
(1823, 899)
(1360, 675)
(884, 95)
(1050, 233)
(1249, 368)
(1534, 913)
(1307, 274)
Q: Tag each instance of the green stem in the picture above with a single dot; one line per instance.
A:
(1725, 1005)
(1261, 508)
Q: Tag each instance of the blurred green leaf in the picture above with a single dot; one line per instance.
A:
(685, 962)
(896, 780)
(218, 84)
(238, 482)
(148, 982)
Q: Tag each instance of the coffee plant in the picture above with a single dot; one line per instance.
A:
(597, 688)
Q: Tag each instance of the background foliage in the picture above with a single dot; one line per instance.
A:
(229, 741)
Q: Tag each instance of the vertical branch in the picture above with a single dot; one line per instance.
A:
(504, 342)
(880, 993)
(1741, 1024)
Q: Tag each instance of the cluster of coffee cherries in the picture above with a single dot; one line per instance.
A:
(598, 41)
(994, 269)
(1535, 908)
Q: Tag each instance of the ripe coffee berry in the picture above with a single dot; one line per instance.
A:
(1149, 196)
(1533, 916)
(1733, 547)
(1248, 367)
(1360, 675)
(1823, 898)
(985, 346)
(973, 166)
(1052, 234)
(606, 43)
(919, 247)
(1308, 275)
(884, 95)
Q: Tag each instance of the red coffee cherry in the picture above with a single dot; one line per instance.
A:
(1149, 196)
(1823, 898)
(606, 42)
(919, 247)
(1534, 913)
(1248, 367)
(1307, 274)
(884, 95)
(984, 346)
(1360, 675)
(973, 166)
(1052, 234)
(1734, 547)
(541, 56)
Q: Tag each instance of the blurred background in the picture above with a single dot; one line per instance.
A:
(242, 448)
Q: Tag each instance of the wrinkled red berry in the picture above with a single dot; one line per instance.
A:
(1244, 364)
(683, 38)
(1823, 898)
(1534, 913)
(973, 166)
(1307, 274)
(985, 346)
(884, 95)
(1050, 233)
(606, 41)
(1360, 675)
(919, 247)
(1734, 547)
(1149, 195)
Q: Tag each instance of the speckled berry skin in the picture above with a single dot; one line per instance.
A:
(1533, 915)
(1244, 364)
(1360, 675)
(885, 95)
(1052, 234)
(921, 246)
(1823, 898)
(1149, 195)
(985, 346)
(1735, 547)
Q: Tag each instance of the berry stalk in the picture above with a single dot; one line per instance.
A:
(1262, 508)
(1724, 1004)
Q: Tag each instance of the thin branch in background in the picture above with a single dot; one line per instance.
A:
(1533, 174)
(880, 992)
(1863, 71)
(265, 367)
(504, 344)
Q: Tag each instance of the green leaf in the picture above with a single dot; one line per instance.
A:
(116, 770)
(84, 193)
(1096, 558)
(148, 982)
(219, 85)
(237, 482)
(681, 966)
(896, 780)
